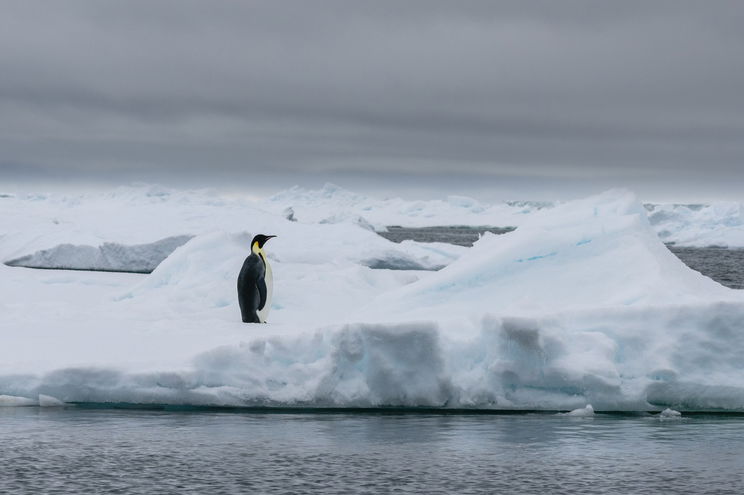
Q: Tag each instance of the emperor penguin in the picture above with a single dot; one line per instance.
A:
(255, 283)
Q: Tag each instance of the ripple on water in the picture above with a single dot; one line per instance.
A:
(108, 451)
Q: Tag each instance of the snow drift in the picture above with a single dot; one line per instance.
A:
(582, 304)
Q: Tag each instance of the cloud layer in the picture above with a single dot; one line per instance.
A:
(523, 92)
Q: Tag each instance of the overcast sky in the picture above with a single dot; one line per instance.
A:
(518, 99)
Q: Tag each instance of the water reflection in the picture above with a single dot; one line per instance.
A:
(74, 451)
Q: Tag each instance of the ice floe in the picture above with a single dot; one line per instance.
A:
(581, 412)
(669, 414)
(582, 304)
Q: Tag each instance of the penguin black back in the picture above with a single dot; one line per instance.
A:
(255, 283)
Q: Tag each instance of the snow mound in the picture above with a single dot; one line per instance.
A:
(588, 253)
(204, 269)
(110, 256)
(200, 276)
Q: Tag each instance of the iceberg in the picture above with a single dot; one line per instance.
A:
(699, 225)
(599, 252)
(582, 304)
(670, 414)
(582, 412)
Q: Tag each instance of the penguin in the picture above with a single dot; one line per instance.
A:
(255, 283)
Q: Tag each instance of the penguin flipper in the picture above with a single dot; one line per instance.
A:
(261, 286)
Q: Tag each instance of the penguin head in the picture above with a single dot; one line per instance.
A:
(258, 241)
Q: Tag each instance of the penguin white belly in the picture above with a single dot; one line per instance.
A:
(263, 314)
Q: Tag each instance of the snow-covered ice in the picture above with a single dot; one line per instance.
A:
(333, 204)
(49, 401)
(582, 304)
(695, 225)
(12, 401)
(110, 256)
(669, 414)
(581, 412)
(717, 224)
(131, 228)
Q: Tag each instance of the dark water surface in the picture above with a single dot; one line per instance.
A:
(460, 235)
(70, 450)
(725, 266)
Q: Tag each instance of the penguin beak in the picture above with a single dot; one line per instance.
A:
(269, 237)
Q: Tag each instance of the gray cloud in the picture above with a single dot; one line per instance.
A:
(538, 94)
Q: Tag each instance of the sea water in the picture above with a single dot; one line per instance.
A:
(73, 450)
